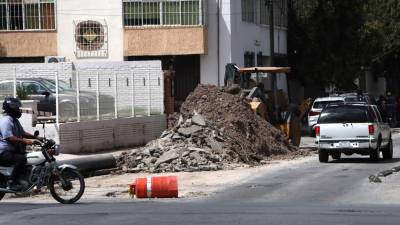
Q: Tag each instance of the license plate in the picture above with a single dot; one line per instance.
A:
(345, 144)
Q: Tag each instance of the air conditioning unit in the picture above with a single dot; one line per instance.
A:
(54, 59)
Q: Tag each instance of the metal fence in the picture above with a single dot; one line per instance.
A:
(86, 94)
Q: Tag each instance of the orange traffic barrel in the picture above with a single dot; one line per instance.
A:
(155, 187)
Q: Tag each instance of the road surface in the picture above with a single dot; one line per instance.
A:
(308, 193)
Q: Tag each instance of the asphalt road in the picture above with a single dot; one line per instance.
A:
(308, 193)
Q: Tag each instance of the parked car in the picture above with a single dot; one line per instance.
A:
(354, 97)
(352, 129)
(316, 109)
(44, 90)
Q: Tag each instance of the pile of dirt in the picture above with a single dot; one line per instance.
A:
(213, 131)
(252, 138)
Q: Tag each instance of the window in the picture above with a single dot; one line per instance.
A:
(264, 15)
(89, 35)
(345, 114)
(27, 15)
(321, 105)
(249, 59)
(151, 13)
(91, 39)
(190, 12)
(33, 88)
(6, 88)
(280, 12)
(171, 13)
(162, 12)
(248, 12)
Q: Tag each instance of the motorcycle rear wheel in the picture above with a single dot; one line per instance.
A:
(75, 183)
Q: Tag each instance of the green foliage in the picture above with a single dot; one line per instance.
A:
(331, 40)
(22, 93)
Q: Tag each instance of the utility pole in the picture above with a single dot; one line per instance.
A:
(270, 4)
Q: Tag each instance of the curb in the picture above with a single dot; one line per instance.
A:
(89, 164)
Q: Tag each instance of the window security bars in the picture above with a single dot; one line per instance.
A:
(27, 15)
(139, 13)
(91, 39)
(250, 12)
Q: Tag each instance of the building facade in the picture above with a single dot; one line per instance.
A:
(196, 38)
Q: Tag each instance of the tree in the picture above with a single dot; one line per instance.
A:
(325, 41)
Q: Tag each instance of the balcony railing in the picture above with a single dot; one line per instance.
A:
(139, 13)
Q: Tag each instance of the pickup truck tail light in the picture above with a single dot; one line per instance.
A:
(313, 113)
(317, 130)
(371, 129)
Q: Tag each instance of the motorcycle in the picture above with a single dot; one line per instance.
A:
(65, 183)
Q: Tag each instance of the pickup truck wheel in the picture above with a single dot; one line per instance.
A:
(387, 152)
(374, 154)
(323, 155)
(336, 155)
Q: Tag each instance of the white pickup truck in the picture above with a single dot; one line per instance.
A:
(352, 129)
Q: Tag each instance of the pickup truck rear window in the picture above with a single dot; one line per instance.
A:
(321, 105)
(345, 114)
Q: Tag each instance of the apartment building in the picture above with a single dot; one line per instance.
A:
(196, 38)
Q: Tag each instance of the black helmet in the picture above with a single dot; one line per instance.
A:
(11, 104)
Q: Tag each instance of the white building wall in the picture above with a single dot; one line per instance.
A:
(236, 37)
(109, 11)
(209, 63)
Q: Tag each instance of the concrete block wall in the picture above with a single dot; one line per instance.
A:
(94, 136)
(36, 70)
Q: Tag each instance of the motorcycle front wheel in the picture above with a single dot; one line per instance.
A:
(69, 189)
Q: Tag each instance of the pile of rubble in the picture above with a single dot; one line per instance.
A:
(214, 130)
(251, 136)
(194, 144)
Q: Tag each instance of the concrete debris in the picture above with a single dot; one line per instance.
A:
(198, 120)
(215, 130)
(193, 145)
(374, 179)
(188, 131)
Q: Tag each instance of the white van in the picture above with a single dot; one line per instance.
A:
(317, 107)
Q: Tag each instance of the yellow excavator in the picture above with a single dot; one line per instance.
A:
(272, 105)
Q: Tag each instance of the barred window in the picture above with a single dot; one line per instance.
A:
(27, 15)
(248, 11)
(91, 38)
(162, 12)
(280, 13)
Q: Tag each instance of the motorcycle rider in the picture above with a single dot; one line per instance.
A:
(13, 140)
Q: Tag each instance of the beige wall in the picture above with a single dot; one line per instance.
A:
(165, 41)
(26, 44)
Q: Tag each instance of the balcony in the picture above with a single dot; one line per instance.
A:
(164, 27)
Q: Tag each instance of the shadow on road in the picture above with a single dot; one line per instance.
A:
(364, 161)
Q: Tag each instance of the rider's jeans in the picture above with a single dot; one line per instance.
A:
(9, 158)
